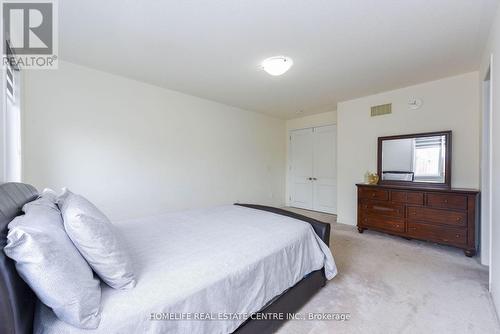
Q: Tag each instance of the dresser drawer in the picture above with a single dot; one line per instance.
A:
(382, 209)
(448, 201)
(388, 224)
(437, 216)
(378, 194)
(452, 236)
(410, 197)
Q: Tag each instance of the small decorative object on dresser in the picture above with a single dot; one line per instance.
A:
(423, 206)
(371, 178)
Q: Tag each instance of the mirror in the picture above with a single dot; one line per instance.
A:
(419, 159)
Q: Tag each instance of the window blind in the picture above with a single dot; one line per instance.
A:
(427, 142)
(10, 82)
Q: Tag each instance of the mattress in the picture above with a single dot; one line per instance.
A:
(203, 271)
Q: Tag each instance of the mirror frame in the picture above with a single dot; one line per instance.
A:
(447, 179)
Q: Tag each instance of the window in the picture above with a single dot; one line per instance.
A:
(429, 158)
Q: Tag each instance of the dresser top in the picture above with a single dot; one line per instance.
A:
(420, 188)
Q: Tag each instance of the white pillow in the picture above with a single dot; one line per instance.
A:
(50, 264)
(97, 240)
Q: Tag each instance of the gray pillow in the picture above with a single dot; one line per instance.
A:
(50, 264)
(97, 240)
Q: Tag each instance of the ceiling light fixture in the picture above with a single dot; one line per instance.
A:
(277, 65)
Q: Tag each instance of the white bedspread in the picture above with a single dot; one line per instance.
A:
(227, 259)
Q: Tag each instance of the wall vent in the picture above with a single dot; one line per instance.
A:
(382, 109)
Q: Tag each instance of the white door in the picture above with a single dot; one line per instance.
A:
(313, 169)
(301, 151)
(325, 169)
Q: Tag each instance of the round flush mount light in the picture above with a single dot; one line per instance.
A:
(277, 65)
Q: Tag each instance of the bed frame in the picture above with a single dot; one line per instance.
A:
(17, 300)
(294, 298)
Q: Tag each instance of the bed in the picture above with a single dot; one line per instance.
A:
(199, 271)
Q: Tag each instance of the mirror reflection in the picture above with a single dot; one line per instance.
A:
(419, 159)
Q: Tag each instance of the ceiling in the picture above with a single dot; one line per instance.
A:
(342, 49)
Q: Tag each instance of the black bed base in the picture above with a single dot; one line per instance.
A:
(288, 302)
(297, 296)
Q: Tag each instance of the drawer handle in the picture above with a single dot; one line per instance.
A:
(412, 228)
(382, 208)
(446, 201)
(459, 219)
(373, 194)
(457, 236)
(397, 225)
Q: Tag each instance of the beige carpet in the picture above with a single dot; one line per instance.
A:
(392, 285)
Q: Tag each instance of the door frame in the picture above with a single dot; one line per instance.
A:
(486, 170)
(487, 163)
(288, 191)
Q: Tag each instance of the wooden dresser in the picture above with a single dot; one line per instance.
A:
(446, 216)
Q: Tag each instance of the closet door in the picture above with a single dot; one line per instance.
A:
(325, 169)
(301, 163)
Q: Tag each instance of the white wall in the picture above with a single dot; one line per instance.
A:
(326, 118)
(493, 49)
(448, 104)
(136, 149)
(322, 119)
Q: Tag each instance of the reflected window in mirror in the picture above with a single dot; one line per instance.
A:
(429, 159)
